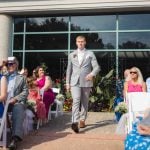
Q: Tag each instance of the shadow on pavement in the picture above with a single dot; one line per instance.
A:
(48, 132)
(98, 125)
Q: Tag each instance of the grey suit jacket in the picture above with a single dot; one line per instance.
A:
(76, 73)
(20, 89)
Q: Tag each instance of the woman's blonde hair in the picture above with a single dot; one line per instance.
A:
(140, 76)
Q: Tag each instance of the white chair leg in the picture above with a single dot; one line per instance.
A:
(61, 109)
(49, 114)
(57, 109)
(5, 135)
(38, 124)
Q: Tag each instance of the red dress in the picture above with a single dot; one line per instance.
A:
(48, 97)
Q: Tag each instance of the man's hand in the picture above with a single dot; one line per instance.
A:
(68, 87)
(89, 77)
(12, 101)
(143, 130)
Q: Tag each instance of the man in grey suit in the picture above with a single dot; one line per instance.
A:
(17, 95)
(82, 67)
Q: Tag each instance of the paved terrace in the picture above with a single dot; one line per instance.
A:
(57, 135)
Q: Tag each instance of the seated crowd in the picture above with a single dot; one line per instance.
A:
(139, 137)
(29, 97)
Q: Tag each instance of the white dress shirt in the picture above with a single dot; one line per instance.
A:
(80, 55)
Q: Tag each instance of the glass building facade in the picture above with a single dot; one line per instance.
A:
(119, 41)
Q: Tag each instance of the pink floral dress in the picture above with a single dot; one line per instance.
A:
(40, 106)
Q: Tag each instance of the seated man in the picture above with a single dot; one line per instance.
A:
(17, 95)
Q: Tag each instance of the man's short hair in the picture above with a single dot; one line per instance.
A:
(81, 37)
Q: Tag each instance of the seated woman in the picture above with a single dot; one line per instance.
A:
(34, 95)
(135, 84)
(3, 90)
(139, 137)
(45, 84)
(35, 106)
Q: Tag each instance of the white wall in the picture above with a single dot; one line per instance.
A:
(56, 6)
(5, 36)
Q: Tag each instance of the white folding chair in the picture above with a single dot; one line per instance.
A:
(138, 102)
(148, 84)
(59, 106)
(3, 127)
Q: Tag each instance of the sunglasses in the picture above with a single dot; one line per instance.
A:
(133, 72)
(10, 64)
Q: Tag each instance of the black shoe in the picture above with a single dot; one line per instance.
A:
(13, 145)
(75, 127)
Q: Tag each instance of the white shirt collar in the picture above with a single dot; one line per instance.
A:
(81, 51)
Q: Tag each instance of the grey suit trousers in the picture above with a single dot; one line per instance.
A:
(18, 114)
(80, 95)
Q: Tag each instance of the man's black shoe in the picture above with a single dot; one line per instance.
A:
(13, 145)
(75, 127)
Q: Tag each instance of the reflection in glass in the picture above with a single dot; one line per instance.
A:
(93, 23)
(96, 40)
(18, 24)
(18, 42)
(46, 42)
(134, 22)
(138, 40)
(138, 59)
(56, 62)
(44, 24)
(19, 56)
(106, 60)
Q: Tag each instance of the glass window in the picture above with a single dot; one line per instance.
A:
(18, 42)
(106, 60)
(96, 40)
(138, 59)
(56, 62)
(93, 23)
(18, 24)
(134, 22)
(47, 24)
(19, 56)
(47, 42)
(137, 40)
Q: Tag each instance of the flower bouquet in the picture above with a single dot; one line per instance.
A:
(60, 97)
(31, 104)
(121, 108)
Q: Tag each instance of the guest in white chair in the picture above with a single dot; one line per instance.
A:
(44, 82)
(135, 84)
(17, 95)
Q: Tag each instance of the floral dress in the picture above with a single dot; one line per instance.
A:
(40, 106)
(135, 141)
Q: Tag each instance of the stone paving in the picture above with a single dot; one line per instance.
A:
(57, 135)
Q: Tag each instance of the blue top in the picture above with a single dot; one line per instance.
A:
(1, 104)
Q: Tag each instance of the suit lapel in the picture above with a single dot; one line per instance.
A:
(75, 57)
(18, 79)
